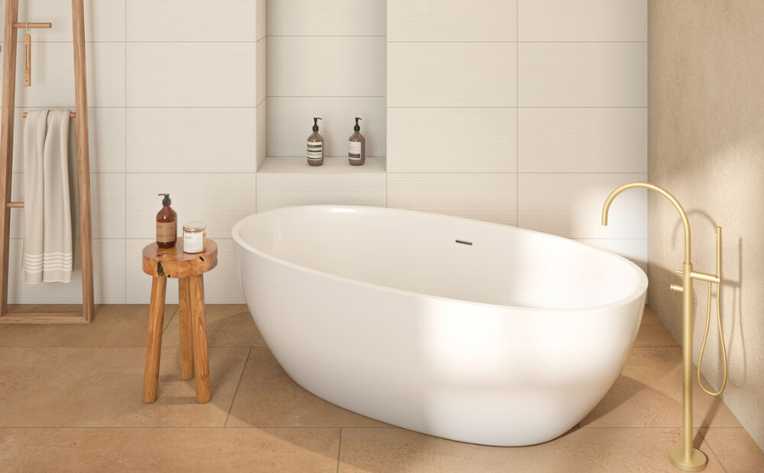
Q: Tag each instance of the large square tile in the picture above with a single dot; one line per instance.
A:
(452, 20)
(191, 20)
(103, 387)
(169, 450)
(190, 74)
(112, 326)
(424, 74)
(350, 67)
(649, 394)
(586, 450)
(490, 197)
(583, 20)
(268, 397)
(583, 74)
(228, 325)
(736, 450)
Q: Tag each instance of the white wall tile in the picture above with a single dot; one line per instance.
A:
(452, 20)
(107, 205)
(290, 121)
(452, 140)
(570, 205)
(191, 139)
(583, 140)
(326, 18)
(345, 186)
(633, 249)
(490, 197)
(222, 285)
(583, 74)
(219, 200)
(191, 75)
(108, 278)
(191, 20)
(452, 74)
(583, 20)
(104, 19)
(53, 76)
(107, 139)
(348, 67)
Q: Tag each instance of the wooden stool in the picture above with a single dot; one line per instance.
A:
(189, 269)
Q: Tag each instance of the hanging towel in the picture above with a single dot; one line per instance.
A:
(47, 211)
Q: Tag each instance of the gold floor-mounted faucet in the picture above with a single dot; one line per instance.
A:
(685, 456)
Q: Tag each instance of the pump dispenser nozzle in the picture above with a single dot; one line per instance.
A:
(166, 200)
(315, 123)
(357, 127)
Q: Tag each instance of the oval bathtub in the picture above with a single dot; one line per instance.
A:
(462, 329)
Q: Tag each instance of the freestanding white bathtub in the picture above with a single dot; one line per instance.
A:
(467, 330)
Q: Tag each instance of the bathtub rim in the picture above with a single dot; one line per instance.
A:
(240, 241)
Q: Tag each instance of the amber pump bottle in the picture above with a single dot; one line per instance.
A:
(167, 224)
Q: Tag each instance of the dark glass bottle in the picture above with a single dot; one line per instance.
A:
(167, 224)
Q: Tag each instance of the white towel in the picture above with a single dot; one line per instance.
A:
(47, 211)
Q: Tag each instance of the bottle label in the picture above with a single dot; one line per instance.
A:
(354, 148)
(315, 150)
(167, 232)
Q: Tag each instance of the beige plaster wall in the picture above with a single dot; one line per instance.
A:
(706, 116)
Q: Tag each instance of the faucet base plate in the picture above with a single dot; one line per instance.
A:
(697, 462)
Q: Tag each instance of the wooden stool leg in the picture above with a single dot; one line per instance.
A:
(186, 331)
(201, 361)
(154, 341)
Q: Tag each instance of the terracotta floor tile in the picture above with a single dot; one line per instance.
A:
(228, 325)
(652, 333)
(168, 450)
(103, 387)
(649, 394)
(587, 450)
(112, 326)
(736, 450)
(267, 397)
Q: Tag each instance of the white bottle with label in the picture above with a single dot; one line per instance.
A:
(357, 146)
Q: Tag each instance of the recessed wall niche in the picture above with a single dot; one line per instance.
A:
(325, 59)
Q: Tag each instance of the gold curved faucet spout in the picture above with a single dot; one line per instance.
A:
(644, 185)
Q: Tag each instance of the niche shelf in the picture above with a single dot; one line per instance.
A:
(331, 166)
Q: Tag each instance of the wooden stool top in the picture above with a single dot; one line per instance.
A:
(173, 263)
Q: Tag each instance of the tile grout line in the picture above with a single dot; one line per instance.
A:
(517, 115)
(124, 164)
(238, 384)
(339, 450)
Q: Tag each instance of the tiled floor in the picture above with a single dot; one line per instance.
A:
(70, 401)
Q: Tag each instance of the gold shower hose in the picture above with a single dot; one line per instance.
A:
(720, 330)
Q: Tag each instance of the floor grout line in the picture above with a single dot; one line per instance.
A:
(339, 450)
(238, 384)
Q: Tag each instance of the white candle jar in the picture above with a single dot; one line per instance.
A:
(194, 234)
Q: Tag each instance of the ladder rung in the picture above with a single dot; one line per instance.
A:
(15, 205)
(71, 114)
(33, 26)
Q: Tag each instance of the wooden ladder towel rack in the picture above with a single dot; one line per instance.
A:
(12, 25)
